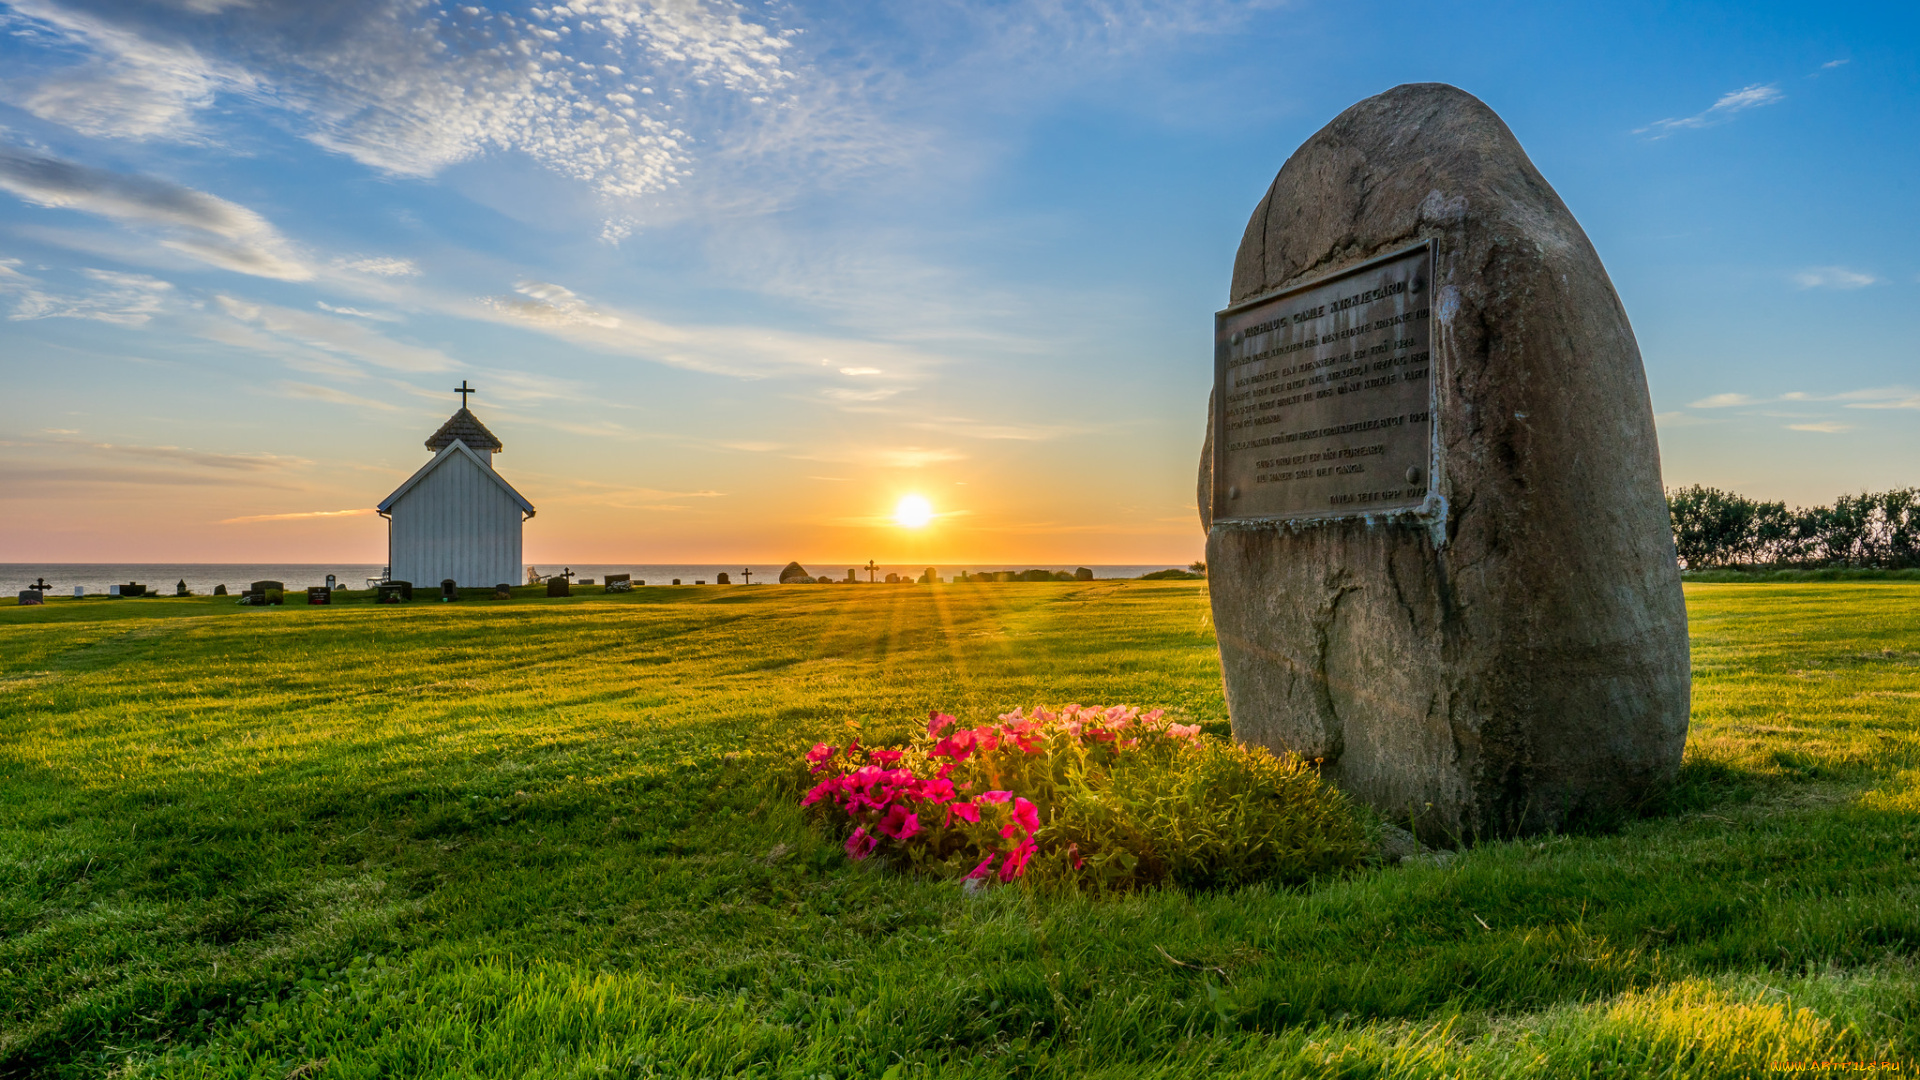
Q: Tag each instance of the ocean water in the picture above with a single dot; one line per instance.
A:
(202, 577)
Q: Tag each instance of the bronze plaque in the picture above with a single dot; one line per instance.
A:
(1323, 400)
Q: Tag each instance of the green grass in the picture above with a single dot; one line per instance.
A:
(539, 838)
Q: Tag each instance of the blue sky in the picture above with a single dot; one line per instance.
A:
(734, 278)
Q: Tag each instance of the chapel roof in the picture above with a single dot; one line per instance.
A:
(466, 427)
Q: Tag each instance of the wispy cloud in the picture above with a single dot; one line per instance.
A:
(194, 223)
(302, 516)
(1833, 277)
(1885, 397)
(341, 336)
(1723, 401)
(328, 394)
(118, 298)
(1830, 427)
(377, 265)
(1730, 105)
(1831, 64)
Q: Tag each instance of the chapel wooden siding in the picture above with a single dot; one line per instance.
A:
(456, 518)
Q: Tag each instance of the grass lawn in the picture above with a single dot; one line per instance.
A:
(557, 838)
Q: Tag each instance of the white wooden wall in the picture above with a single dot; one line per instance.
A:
(456, 523)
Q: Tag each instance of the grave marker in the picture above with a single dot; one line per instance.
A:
(1437, 538)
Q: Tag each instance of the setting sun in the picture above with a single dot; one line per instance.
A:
(913, 512)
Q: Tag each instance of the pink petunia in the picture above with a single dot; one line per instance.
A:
(937, 790)
(1027, 815)
(995, 796)
(1016, 863)
(884, 757)
(900, 823)
(1183, 731)
(818, 757)
(965, 811)
(986, 866)
(820, 791)
(938, 722)
(861, 843)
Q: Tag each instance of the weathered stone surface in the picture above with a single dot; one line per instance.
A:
(794, 574)
(1519, 657)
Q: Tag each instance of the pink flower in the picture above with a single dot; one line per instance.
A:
(820, 791)
(818, 757)
(884, 757)
(938, 722)
(996, 796)
(1073, 853)
(986, 866)
(1016, 863)
(956, 746)
(899, 823)
(1027, 815)
(1183, 731)
(966, 811)
(938, 790)
(861, 843)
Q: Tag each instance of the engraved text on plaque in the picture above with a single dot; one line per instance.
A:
(1323, 396)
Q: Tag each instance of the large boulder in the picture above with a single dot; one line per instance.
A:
(795, 574)
(1514, 653)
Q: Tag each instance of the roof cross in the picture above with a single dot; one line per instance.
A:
(463, 390)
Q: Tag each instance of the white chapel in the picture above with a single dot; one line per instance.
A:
(456, 518)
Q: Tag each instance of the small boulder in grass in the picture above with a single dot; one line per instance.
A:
(1105, 798)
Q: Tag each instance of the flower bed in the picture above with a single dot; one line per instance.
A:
(1107, 797)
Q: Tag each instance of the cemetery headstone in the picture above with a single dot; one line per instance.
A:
(929, 578)
(32, 597)
(448, 590)
(113, 590)
(619, 582)
(722, 579)
(332, 583)
(393, 592)
(558, 586)
(133, 588)
(219, 590)
(585, 581)
(1083, 574)
(79, 591)
(795, 573)
(503, 591)
(319, 594)
(181, 589)
(676, 581)
(893, 579)
(1438, 543)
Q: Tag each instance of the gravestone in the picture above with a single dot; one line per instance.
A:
(1437, 539)
(394, 592)
(1083, 574)
(559, 586)
(619, 582)
(219, 590)
(133, 588)
(181, 589)
(31, 597)
(795, 574)
(851, 579)
(929, 578)
(267, 592)
(319, 594)
(722, 579)
(503, 591)
(893, 579)
(79, 591)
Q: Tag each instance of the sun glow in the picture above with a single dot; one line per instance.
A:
(913, 512)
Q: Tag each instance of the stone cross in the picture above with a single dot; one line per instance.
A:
(870, 571)
(746, 575)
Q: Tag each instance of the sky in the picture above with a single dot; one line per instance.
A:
(734, 279)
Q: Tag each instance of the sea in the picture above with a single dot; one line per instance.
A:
(95, 578)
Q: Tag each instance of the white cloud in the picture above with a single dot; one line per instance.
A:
(378, 265)
(1831, 64)
(1886, 397)
(1729, 105)
(120, 299)
(1833, 277)
(337, 336)
(1723, 401)
(328, 394)
(1830, 427)
(356, 312)
(548, 304)
(408, 87)
(192, 222)
(302, 516)
(860, 371)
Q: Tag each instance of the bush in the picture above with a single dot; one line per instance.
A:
(1107, 798)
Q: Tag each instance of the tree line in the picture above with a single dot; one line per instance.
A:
(1720, 528)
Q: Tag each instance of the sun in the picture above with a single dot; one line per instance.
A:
(913, 512)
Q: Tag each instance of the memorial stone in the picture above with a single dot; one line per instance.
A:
(620, 582)
(795, 573)
(503, 591)
(219, 590)
(723, 579)
(319, 594)
(181, 589)
(559, 586)
(1438, 543)
(31, 598)
(1083, 574)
